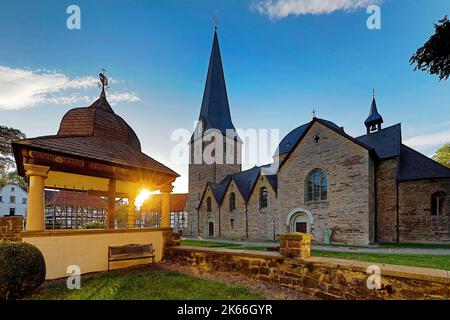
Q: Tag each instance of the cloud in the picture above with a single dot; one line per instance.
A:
(427, 141)
(278, 9)
(25, 88)
(113, 98)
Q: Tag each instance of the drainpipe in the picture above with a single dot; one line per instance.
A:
(220, 230)
(376, 205)
(246, 221)
(198, 221)
(398, 218)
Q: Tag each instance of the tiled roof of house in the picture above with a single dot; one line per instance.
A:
(177, 202)
(74, 199)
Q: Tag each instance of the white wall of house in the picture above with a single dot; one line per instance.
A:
(13, 200)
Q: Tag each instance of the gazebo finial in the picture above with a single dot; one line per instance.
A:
(103, 82)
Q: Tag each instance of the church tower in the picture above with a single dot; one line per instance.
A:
(215, 148)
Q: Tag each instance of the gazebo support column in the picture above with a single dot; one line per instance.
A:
(35, 209)
(165, 206)
(131, 220)
(112, 204)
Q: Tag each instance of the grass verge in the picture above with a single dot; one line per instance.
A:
(150, 285)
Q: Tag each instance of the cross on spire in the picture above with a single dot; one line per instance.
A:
(216, 20)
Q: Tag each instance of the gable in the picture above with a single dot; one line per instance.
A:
(328, 138)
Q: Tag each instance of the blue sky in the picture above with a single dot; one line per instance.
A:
(277, 68)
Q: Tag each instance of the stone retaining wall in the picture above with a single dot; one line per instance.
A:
(321, 277)
(10, 228)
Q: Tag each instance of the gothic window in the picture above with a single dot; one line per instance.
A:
(263, 198)
(208, 204)
(437, 203)
(232, 201)
(232, 223)
(316, 186)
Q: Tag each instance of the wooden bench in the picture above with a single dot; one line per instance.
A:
(130, 252)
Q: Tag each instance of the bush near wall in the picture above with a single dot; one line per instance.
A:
(22, 270)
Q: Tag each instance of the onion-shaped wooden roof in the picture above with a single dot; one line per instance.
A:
(98, 120)
(95, 134)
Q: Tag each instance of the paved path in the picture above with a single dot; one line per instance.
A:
(362, 249)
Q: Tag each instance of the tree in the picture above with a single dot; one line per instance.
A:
(434, 56)
(443, 155)
(7, 165)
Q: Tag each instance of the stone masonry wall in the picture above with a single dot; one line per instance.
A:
(348, 208)
(238, 229)
(387, 201)
(204, 217)
(416, 222)
(10, 228)
(321, 277)
(263, 223)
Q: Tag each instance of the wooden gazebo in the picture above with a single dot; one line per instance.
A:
(95, 150)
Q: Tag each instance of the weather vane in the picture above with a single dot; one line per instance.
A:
(373, 91)
(103, 79)
(216, 19)
(314, 113)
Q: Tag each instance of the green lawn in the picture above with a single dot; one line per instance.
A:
(208, 244)
(142, 285)
(414, 246)
(415, 260)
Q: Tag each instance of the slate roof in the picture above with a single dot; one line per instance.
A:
(215, 110)
(245, 182)
(416, 166)
(386, 142)
(291, 140)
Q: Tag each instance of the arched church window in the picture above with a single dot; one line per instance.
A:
(232, 201)
(316, 186)
(437, 203)
(208, 204)
(263, 198)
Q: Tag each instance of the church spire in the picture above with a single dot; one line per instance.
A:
(215, 110)
(374, 121)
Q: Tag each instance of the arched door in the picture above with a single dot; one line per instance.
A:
(300, 220)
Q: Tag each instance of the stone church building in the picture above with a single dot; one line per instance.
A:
(356, 190)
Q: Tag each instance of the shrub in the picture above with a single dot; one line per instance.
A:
(22, 270)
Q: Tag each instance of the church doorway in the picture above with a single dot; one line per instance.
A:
(300, 220)
(210, 229)
(301, 227)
